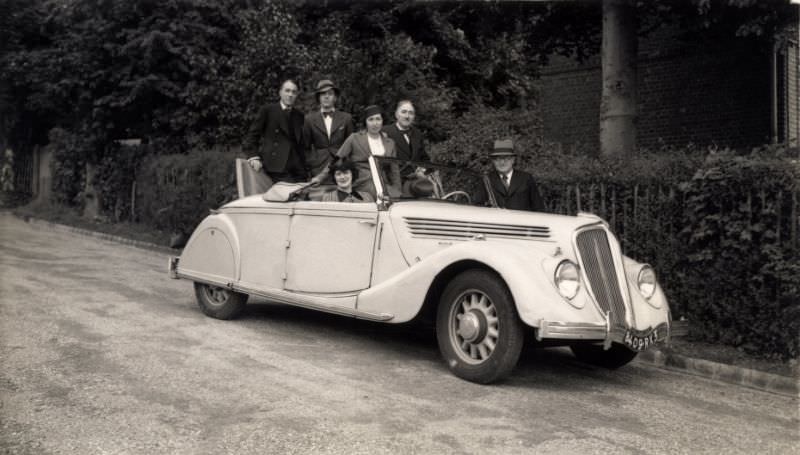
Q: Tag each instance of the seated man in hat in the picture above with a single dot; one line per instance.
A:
(512, 188)
(325, 130)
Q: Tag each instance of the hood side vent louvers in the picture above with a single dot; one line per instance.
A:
(465, 230)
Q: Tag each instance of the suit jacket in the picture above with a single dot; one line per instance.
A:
(522, 192)
(413, 150)
(277, 139)
(320, 148)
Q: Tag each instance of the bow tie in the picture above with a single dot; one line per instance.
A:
(327, 114)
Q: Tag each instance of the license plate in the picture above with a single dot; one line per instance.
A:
(640, 340)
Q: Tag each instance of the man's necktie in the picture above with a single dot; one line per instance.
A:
(505, 180)
(327, 114)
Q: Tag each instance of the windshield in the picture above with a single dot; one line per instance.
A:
(414, 180)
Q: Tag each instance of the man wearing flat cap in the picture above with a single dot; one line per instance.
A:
(325, 130)
(512, 188)
(274, 139)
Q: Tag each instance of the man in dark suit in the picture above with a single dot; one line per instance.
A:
(409, 143)
(275, 138)
(324, 131)
(408, 139)
(512, 188)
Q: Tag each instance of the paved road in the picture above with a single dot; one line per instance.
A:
(101, 353)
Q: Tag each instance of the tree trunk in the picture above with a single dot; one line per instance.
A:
(618, 104)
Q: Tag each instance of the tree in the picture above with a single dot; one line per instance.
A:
(618, 101)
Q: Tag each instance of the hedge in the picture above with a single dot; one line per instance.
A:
(722, 233)
(177, 191)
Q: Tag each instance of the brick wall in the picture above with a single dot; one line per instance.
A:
(688, 93)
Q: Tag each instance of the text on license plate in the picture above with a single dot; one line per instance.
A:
(640, 342)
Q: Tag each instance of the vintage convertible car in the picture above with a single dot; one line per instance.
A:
(487, 276)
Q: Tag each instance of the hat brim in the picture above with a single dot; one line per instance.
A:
(502, 153)
(322, 90)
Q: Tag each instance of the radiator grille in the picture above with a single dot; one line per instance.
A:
(598, 263)
(438, 228)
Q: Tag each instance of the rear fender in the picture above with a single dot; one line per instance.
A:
(212, 253)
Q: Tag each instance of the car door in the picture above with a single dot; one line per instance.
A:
(263, 233)
(330, 246)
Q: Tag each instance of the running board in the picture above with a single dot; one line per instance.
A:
(291, 298)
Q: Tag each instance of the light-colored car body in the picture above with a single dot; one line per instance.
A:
(386, 261)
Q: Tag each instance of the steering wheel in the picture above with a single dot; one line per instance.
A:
(455, 194)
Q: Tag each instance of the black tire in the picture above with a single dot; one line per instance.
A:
(615, 357)
(219, 303)
(486, 346)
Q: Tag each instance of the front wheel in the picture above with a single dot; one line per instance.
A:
(479, 332)
(615, 357)
(219, 303)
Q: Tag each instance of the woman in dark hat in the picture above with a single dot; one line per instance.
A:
(358, 147)
(344, 174)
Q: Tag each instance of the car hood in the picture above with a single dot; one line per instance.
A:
(423, 227)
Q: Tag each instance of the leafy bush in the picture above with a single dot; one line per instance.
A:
(471, 136)
(114, 180)
(68, 165)
(177, 191)
(740, 232)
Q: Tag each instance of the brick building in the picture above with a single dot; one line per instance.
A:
(736, 93)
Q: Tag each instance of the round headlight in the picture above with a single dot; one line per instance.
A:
(567, 279)
(647, 281)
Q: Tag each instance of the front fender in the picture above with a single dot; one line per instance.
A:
(212, 252)
(525, 272)
(646, 312)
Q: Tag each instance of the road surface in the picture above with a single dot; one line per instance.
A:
(100, 352)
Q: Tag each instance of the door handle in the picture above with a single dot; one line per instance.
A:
(368, 222)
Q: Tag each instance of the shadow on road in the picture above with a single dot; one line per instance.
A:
(538, 367)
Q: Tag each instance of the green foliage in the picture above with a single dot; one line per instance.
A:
(177, 191)
(115, 177)
(374, 61)
(68, 166)
(267, 52)
(740, 213)
(470, 137)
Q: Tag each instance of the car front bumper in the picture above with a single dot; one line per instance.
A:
(637, 340)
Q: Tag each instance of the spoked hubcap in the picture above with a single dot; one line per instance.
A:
(474, 327)
(216, 295)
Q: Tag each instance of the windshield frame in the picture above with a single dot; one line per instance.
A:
(385, 200)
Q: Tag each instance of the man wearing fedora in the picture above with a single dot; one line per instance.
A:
(512, 188)
(325, 130)
(275, 137)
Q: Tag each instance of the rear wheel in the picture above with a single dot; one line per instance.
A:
(219, 303)
(615, 357)
(479, 332)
